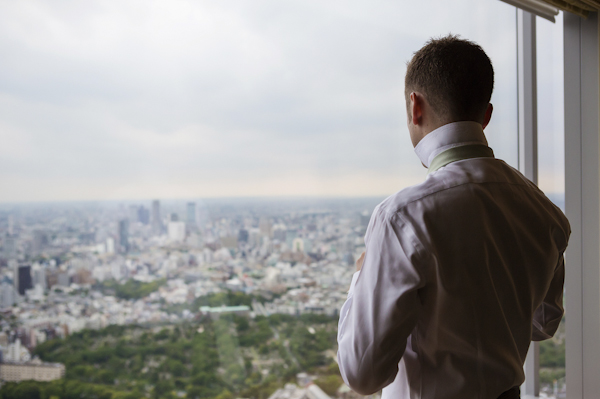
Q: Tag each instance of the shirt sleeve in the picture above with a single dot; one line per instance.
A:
(548, 315)
(382, 306)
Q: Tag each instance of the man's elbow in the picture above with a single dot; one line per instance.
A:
(547, 330)
(366, 384)
(366, 380)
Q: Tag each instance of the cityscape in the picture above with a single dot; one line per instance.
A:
(259, 281)
(67, 268)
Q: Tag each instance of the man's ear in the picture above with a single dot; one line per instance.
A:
(488, 115)
(416, 108)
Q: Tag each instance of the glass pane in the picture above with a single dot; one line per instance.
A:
(186, 184)
(551, 172)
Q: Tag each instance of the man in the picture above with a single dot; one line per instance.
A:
(462, 271)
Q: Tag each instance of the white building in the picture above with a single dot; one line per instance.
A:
(176, 231)
(7, 295)
(38, 274)
(16, 353)
(110, 245)
(34, 370)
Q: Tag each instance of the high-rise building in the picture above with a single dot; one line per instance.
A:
(124, 235)
(133, 213)
(190, 219)
(243, 235)
(10, 246)
(265, 227)
(156, 220)
(22, 278)
(110, 245)
(40, 239)
(290, 236)
(7, 295)
(11, 224)
(39, 277)
(143, 215)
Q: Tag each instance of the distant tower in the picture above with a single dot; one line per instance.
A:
(10, 246)
(190, 219)
(133, 213)
(7, 298)
(265, 227)
(156, 221)
(290, 236)
(143, 215)
(124, 235)
(38, 275)
(22, 278)
(110, 245)
(11, 224)
(40, 239)
(242, 235)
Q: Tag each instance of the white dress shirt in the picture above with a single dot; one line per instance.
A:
(461, 272)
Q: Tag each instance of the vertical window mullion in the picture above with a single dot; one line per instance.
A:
(528, 156)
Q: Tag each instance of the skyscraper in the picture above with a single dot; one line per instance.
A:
(124, 235)
(10, 246)
(40, 239)
(133, 213)
(38, 275)
(22, 278)
(143, 215)
(265, 226)
(242, 235)
(191, 215)
(7, 295)
(11, 224)
(156, 221)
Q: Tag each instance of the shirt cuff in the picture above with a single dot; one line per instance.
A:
(353, 283)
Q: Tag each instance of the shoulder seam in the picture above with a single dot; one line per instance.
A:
(396, 210)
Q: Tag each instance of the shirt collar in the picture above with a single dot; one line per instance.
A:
(451, 135)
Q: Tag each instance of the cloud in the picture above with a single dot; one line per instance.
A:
(140, 99)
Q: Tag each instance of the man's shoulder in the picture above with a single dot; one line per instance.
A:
(407, 195)
(447, 183)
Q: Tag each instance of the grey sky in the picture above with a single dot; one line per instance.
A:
(135, 99)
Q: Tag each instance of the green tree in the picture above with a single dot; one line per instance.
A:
(330, 384)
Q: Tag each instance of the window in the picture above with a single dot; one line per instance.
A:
(550, 94)
(136, 139)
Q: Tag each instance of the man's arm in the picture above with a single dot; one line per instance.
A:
(382, 306)
(548, 315)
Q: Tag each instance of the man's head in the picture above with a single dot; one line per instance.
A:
(448, 80)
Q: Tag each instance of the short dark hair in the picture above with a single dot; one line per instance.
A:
(455, 76)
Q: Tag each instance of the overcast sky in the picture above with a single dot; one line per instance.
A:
(186, 99)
